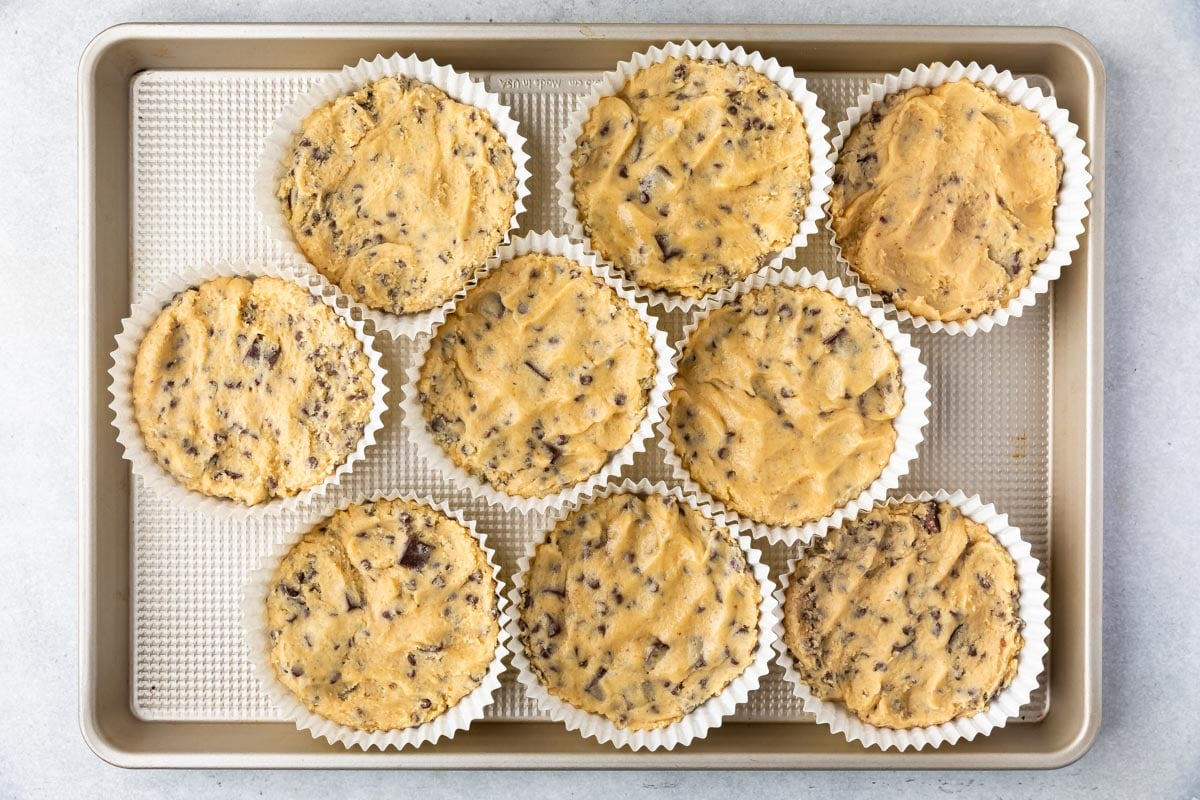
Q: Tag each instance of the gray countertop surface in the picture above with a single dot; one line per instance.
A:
(1149, 745)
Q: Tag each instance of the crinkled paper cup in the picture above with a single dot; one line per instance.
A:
(435, 457)
(1073, 191)
(610, 83)
(909, 424)
(134, 327)
(258, 645)
(277, 148)
(1034, 613)
(700, 720)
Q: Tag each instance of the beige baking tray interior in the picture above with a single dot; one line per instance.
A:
(194, 137)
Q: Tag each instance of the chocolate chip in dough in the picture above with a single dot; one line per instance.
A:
(830, 341)
(491, 305)
(665, 247)
(416, 553)
(593, 687)
(931, 519)
(537, 371)
(658, 648)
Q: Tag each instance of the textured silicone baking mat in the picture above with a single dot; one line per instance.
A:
(196, 139)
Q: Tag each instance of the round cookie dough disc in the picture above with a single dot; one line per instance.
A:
(784, 404)
(639, 609)
(398, 193)
(384, 616)
(541, 373)
(909, 616)
(943, 199)
(692, 174)
(251, 389)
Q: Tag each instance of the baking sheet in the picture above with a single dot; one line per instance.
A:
(159, 680)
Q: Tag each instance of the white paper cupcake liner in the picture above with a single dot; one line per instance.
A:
(1073, 192)
(258, 646)
(909, 423)
(821, 178)
(272, 162)
(129, 434)
(435, 457)
(1034, 611)
(700, 720)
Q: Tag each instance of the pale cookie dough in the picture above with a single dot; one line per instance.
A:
(384, 616)
(784, 404)
(909, 616)
(639, 609)
(251, 389)
(692, 174)
(541, 373)
(397, 193)
(943, 200)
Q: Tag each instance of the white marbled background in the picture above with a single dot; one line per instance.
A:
(1150, 742)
